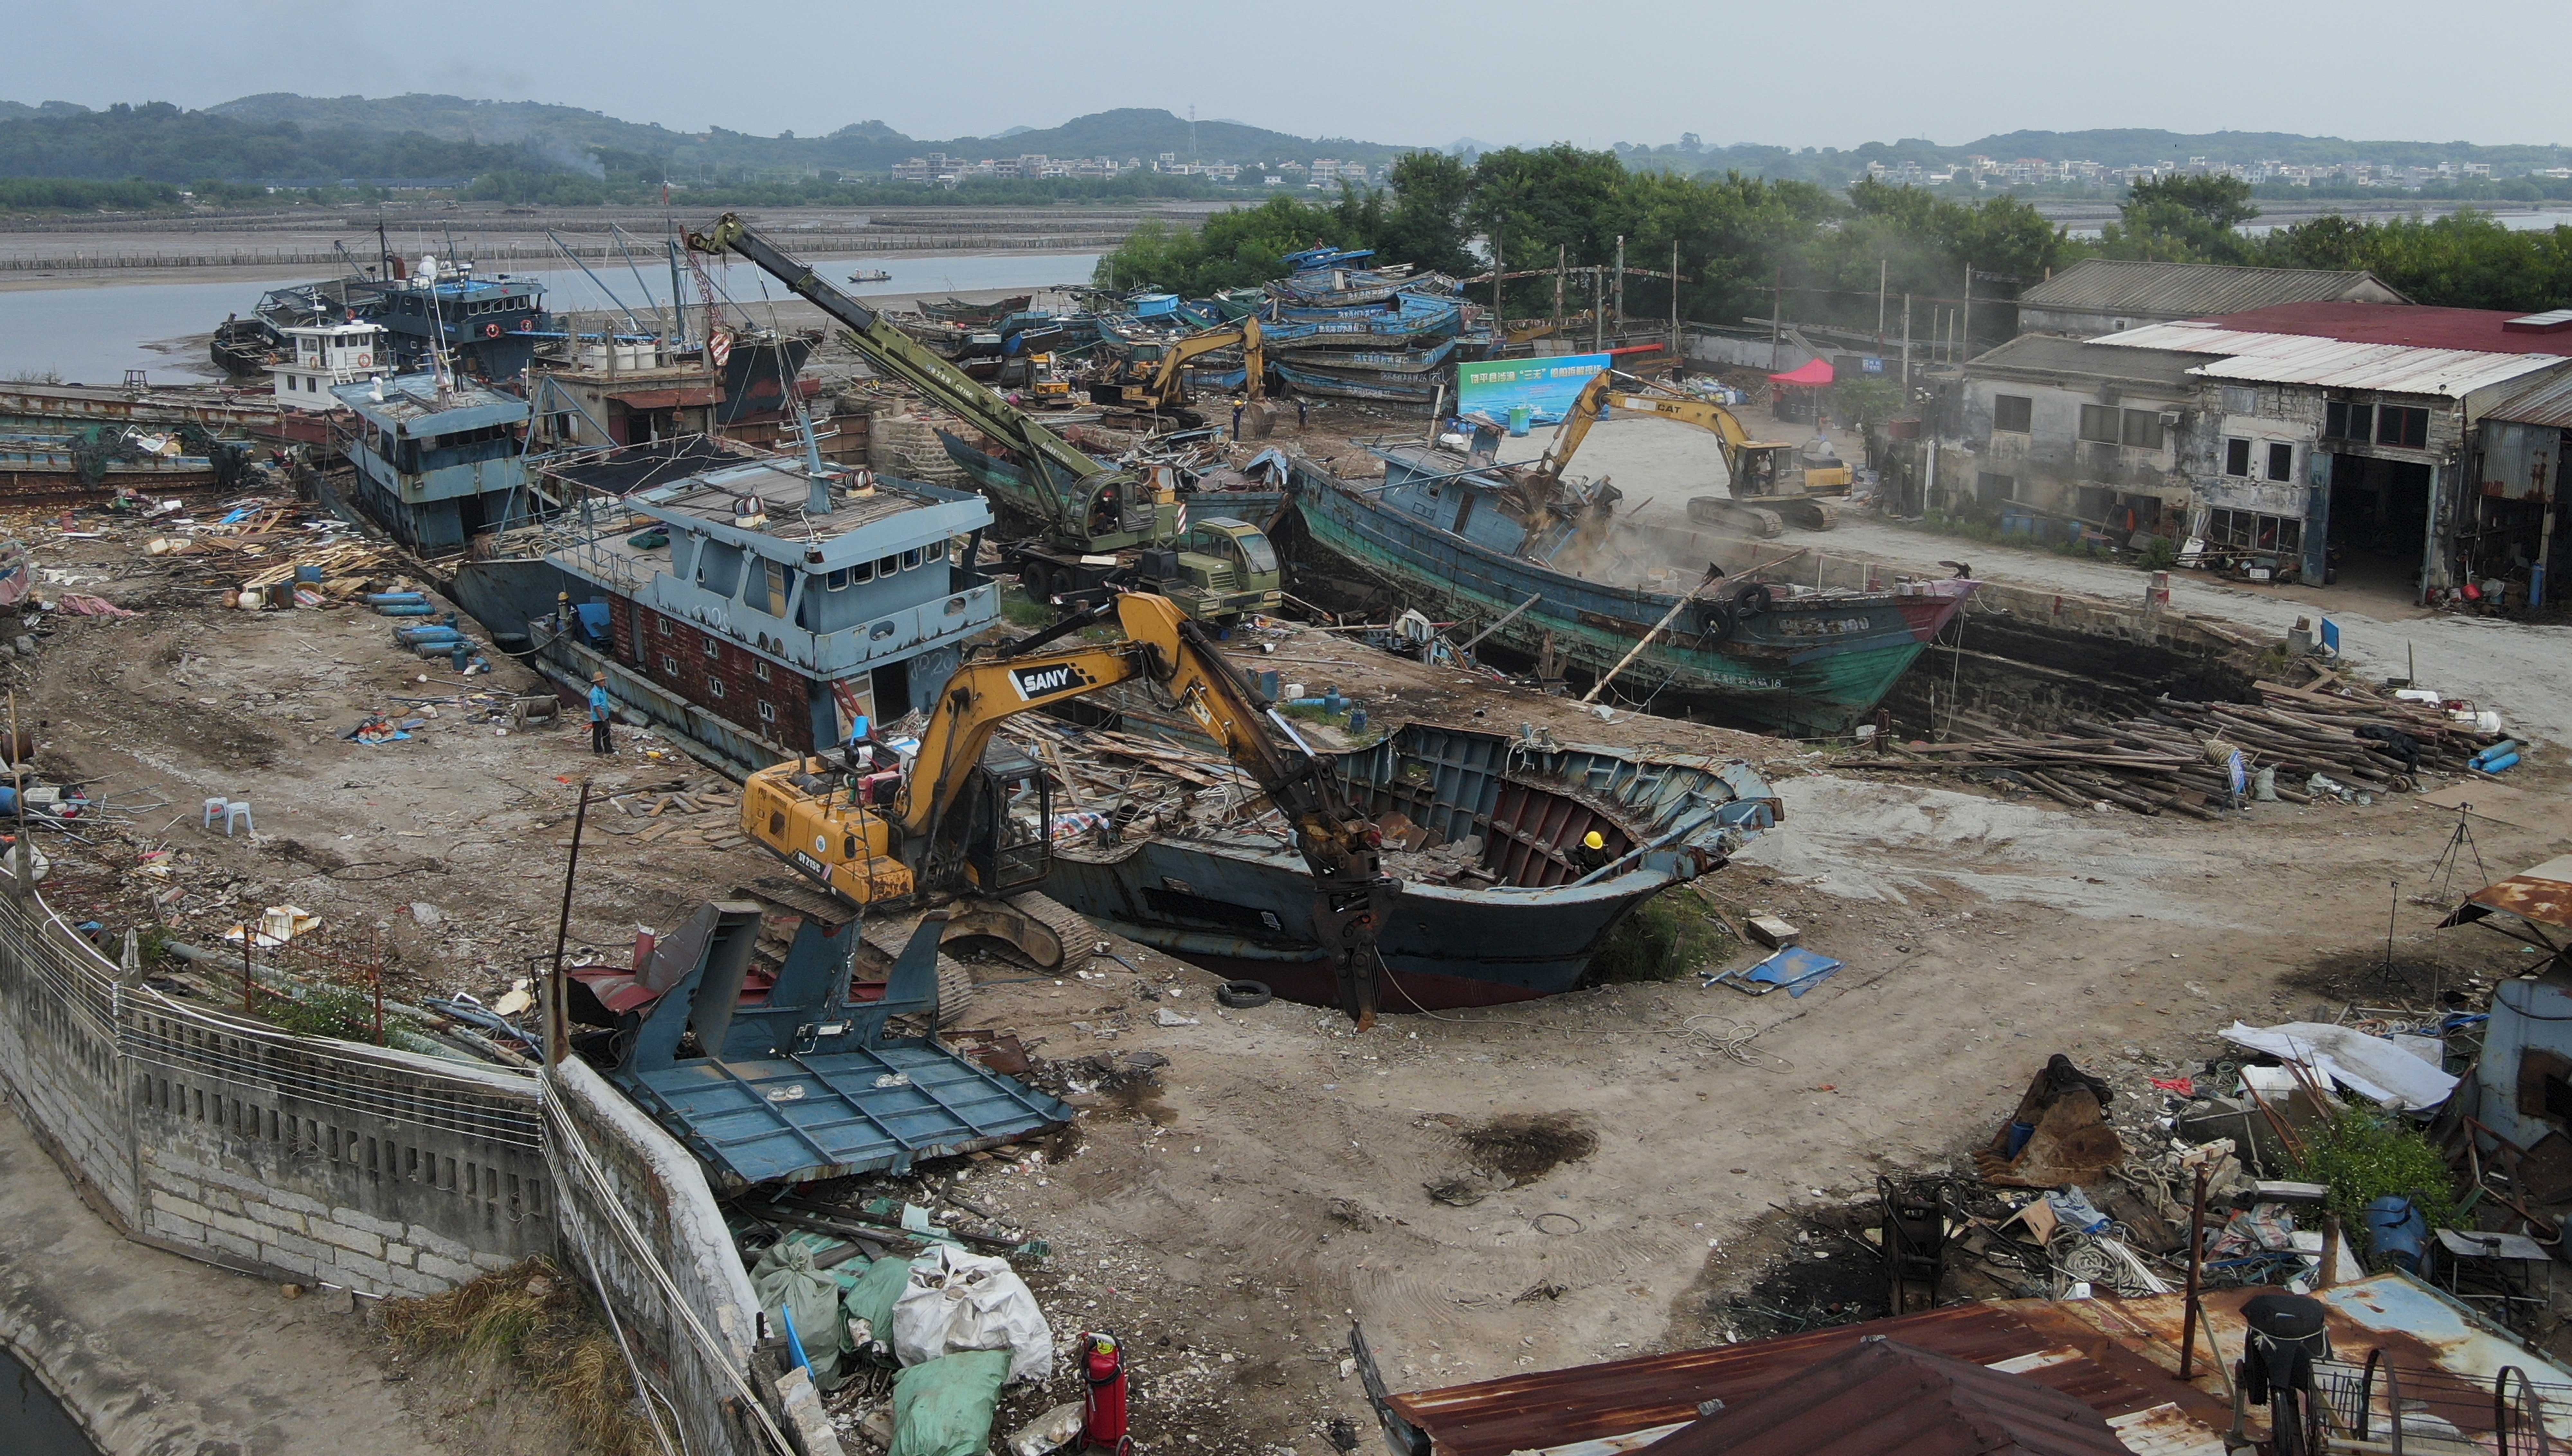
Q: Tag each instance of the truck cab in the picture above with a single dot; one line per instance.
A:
(1225, 567)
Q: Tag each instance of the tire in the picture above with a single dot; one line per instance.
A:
(1720, 626)
(1754, 599)
(1243, 995)
(1037, 580)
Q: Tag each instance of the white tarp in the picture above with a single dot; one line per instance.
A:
(2372, 1067)
(958, 1302)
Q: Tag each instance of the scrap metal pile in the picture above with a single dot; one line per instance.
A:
(2180, 757)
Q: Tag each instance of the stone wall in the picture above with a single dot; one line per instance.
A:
(226, 1139)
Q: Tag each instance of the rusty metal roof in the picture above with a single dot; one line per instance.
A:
(2114, 1355)
(2194, 289)
(1593, 1402)
(1881, 1395)
(2542, 894)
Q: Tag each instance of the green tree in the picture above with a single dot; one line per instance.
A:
(2182, 219)
(1232, 250)
(1426, 224)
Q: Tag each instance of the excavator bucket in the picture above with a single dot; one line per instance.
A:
(2058, 1135)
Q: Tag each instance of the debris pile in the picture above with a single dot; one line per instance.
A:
(2295, 744)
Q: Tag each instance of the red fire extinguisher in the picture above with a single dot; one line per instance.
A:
(1103, 1424)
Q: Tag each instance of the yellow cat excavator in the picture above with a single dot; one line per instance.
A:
(967, 816)
(1763, 474)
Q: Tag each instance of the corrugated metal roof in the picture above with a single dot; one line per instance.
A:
(2484, 329)
(2545, 400)
(1883, 1395)
(1544, 1410)
(2114, 1355)
(2114, 286)
(2054, 355)
(2298, 358)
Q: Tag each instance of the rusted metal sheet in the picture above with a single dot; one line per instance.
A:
(2542, 894)
(2118, 1356)
(1595, 1402)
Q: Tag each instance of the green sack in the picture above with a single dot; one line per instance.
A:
(787, 1283)
(872, 1297)
(944, 1407)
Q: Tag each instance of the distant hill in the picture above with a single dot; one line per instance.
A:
(158, 142)
(867, 146)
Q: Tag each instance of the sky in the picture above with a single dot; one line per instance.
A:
(1404, 71)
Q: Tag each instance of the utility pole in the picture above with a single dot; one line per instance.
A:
(1965, 318)
(1776, 313)
(1621, 283)
(1598, 309)
(1496, 267)
(1677, 352)
(1883, 271)
(1906, 350)
(1557, 291)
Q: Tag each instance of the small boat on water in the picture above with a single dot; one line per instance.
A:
(1482, 830)
(1469, 540)
(869, 276)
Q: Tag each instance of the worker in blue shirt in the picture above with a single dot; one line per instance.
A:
(599, 742)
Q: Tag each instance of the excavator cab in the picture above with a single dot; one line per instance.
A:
(1008, 822)
(1768, 468)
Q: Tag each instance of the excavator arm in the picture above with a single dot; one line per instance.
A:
(1339, 845)
(1057, 469)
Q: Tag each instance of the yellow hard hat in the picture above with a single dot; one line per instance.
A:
(1594, 840)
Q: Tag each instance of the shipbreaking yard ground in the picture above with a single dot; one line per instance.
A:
(1233, 1218)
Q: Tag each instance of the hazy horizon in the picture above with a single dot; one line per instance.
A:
(1424, 73)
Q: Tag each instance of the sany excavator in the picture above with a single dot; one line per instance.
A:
(1161, 385)
(1760, 470)
(968, 817)
(1096, 520)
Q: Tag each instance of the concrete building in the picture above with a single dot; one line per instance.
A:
(2106, 296)
(2517, 469)
(2079, 430)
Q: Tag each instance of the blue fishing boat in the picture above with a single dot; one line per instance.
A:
(1394, 388)
(1472, 541)
(1480, 829)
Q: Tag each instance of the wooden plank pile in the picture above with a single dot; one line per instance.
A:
(1132, 777)
(2176, 757)
(676, 815)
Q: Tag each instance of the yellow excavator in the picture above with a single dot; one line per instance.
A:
(1163, 386)
(966, 816)
(1764, 473)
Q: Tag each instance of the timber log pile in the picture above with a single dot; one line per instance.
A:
(2175, 758)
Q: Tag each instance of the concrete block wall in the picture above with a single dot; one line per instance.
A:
(233, 1142)
(643, 1170)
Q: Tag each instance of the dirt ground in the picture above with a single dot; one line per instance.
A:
(1614, 1174)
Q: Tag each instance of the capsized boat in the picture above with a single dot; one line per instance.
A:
(1494, 907)
(1467, 538)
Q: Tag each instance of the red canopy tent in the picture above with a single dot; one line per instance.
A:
(1811, 375)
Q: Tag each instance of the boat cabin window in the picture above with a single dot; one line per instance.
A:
(718, 567)
(889, 566)
(837, 580)
(911, 558)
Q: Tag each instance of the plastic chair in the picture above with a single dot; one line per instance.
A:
(218, 809)
(238, 812)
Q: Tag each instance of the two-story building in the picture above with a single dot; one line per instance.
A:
(2078, 431)
(2338, 434)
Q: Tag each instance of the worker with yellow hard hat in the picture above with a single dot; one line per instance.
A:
(1591, 853)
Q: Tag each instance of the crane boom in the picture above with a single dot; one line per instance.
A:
(1055, 466)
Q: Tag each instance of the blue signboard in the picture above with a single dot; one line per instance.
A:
(1547, 387)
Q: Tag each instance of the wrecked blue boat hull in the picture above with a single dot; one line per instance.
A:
(1244, 907)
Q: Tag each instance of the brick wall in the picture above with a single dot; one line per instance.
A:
(716, 673)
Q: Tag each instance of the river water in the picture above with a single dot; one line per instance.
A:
(32, 1422)
(93, 335)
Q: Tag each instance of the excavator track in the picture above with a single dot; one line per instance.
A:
(1811, 513)
(1715, 511)
(1079, 937)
